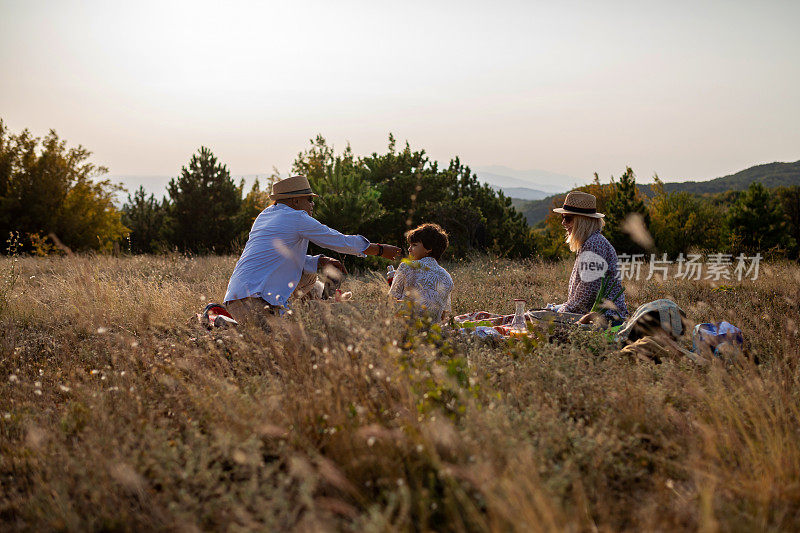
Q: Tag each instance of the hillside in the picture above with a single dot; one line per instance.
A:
(770, 174)
(534, 211)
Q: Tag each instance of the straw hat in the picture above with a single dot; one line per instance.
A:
(580, 203)
(291, 188)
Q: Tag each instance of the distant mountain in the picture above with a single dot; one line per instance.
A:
(541, 180)
(522, 193)
(770, 174)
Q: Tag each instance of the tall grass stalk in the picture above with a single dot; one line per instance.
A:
(118, 412)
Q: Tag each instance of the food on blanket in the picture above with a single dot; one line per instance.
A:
(503, 330)
(502, 323)
(474, 324)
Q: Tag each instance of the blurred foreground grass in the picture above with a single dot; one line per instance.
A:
(118, 412)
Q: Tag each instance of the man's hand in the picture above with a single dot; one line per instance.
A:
(330, 267)
(387, 251)
(391, 252)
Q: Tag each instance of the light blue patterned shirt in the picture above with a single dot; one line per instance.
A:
(275, 255)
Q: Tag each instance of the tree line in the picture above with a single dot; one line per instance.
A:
(53, 199)
(758, 219)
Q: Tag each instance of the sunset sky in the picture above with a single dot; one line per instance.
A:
(690, 90)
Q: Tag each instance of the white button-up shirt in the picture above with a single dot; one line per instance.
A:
(274, 257)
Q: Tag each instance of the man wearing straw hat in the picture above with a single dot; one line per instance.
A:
(274, 264)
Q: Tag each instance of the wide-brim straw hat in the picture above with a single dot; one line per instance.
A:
(580, 203)
(293, 187)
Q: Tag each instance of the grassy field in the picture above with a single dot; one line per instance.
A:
(118, 412)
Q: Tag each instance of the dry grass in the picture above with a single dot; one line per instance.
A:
(116, 413)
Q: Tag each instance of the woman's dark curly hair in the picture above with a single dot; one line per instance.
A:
(432, 237)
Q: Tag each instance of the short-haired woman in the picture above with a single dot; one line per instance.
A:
(596, 259)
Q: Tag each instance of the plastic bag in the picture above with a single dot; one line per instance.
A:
(720, 338)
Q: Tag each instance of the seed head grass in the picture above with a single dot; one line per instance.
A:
(118, 411)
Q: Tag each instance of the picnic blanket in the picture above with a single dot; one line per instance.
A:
(487, 324)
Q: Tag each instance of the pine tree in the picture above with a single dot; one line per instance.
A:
(346, 200)
(344, 193)
(790, 201)
(204, 204)
(252, 204)
(383, 195)
(144, 216)
(624, 202)
(757, 222)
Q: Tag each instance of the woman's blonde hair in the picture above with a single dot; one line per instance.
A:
(582, 228)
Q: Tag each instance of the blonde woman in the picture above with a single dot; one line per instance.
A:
(596, 259)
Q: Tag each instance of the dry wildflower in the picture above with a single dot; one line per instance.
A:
(35, 437)
(126, 475)
(613, 431)
(239, 457)
(301, 469)
(337, 506)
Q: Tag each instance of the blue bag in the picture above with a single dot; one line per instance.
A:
(717, 337)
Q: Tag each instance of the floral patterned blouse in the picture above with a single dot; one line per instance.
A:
(583, 288)
(425, 283)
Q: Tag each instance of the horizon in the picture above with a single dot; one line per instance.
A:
(568, 89)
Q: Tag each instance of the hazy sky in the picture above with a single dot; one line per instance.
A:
(685, 89)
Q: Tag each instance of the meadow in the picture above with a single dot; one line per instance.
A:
(119, 412)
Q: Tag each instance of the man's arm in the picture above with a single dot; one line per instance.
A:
(387, 251)
(321, 235)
